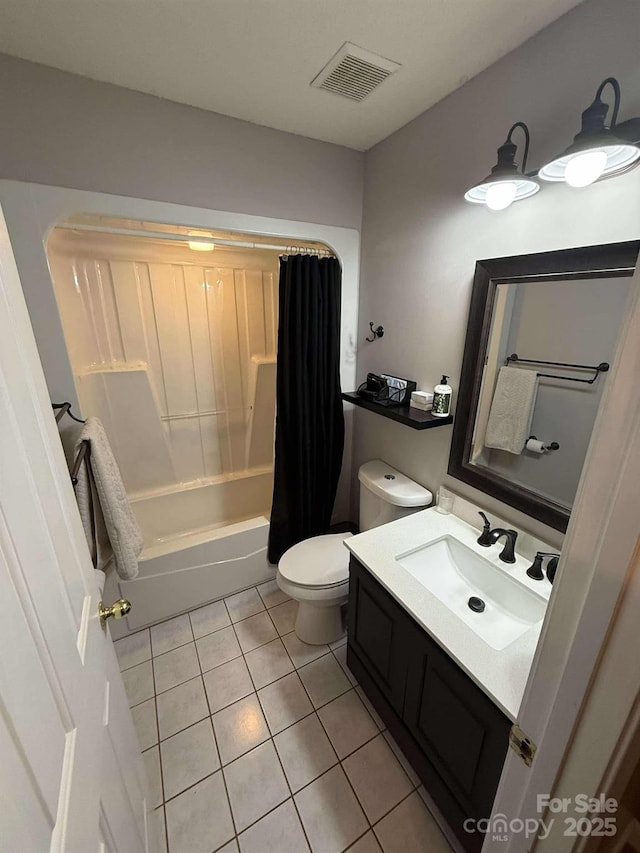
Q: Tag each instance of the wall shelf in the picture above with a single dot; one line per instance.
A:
(413, 418)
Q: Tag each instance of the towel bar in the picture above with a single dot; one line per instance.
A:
(603, 367)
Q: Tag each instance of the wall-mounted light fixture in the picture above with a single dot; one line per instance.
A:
(597, 151)
(199, 244)
(506, 183)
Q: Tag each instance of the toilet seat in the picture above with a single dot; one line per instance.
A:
(319, 562)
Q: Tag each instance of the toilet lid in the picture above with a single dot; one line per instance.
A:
(319, 561)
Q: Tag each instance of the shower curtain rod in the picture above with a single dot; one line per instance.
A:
(185, 238)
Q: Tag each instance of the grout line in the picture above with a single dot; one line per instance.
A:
(271, 738)
(224, 781)
(155, 706)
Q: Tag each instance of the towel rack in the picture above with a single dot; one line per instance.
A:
(62, 409)
(603, 367)
(83, 453)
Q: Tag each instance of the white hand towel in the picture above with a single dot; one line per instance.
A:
(110, 526)
(511, 413)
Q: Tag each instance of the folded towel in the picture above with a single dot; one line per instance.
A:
(112, 532)
(511, 413)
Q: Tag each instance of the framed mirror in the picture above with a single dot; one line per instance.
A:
(554, 318)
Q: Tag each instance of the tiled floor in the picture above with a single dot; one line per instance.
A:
(255, 742)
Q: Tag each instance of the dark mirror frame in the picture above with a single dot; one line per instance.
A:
(606, 261)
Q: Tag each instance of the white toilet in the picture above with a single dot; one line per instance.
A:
(316, 572)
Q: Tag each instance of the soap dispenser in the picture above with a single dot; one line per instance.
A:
(442, 399)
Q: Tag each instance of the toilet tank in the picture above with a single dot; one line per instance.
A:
(386, 494)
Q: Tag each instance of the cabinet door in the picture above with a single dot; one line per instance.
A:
(378, 634)
(463, 735)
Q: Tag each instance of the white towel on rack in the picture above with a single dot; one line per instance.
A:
(511, 413)
(112, 531)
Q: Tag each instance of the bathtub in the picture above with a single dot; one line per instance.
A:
(202, 542)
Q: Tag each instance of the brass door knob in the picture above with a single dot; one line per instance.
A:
(118, 609)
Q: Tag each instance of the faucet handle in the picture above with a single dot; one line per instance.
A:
(535, 569)
(552, 566)
(485, 536)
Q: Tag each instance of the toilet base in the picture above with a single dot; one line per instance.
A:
(317, 624)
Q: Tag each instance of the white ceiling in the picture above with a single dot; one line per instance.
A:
(254, 59)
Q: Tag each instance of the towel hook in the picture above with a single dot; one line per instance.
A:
(378, 332)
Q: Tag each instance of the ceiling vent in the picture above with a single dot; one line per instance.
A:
(354, 73)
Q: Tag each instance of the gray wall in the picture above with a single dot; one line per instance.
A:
(68, 131)
(421, 240)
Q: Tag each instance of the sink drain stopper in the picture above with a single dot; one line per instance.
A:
(476, 604)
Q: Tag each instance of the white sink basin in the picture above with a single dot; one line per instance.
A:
(454, 573)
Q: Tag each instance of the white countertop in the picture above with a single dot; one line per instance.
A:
(502, 675)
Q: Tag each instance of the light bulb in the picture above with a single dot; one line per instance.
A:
(200, 245)
(585, 168)
(499, 196)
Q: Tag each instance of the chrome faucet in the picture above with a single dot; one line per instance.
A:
(490, 537)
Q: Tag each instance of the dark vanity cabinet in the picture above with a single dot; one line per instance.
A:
(452, 733)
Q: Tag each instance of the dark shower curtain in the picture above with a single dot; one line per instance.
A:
(309, 419)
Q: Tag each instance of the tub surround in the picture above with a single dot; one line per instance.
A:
(503, 674)
(179, 574)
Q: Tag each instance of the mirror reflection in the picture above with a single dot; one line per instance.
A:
(543, 330)
(541, 385)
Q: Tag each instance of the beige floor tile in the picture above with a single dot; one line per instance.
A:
(133, 649)
(227, 683)
(367, 844)
(171, 634)
(341, 655)
(271, 594)
(138, 683)
(377, 778)
(188, 757)
(151, 760)
(410, 828)
(324, 679)
(217, 648)
(243, 604)
(348, 723)
(268, 663)
(255, 631)
(175, 667)
(239, 728)
(302, 653)
(284, 702)
(144, 719)
(330, 813)
(181, 706)
(157, 831)
(305, 752)
(284, 616)
(199, 820)
(209, 618)
(256, 784)
(278, 832)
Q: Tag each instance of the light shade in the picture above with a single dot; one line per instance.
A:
(611, 153)
(506, 183)
(200, 241)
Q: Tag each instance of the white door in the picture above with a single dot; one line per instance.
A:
(71, 773)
